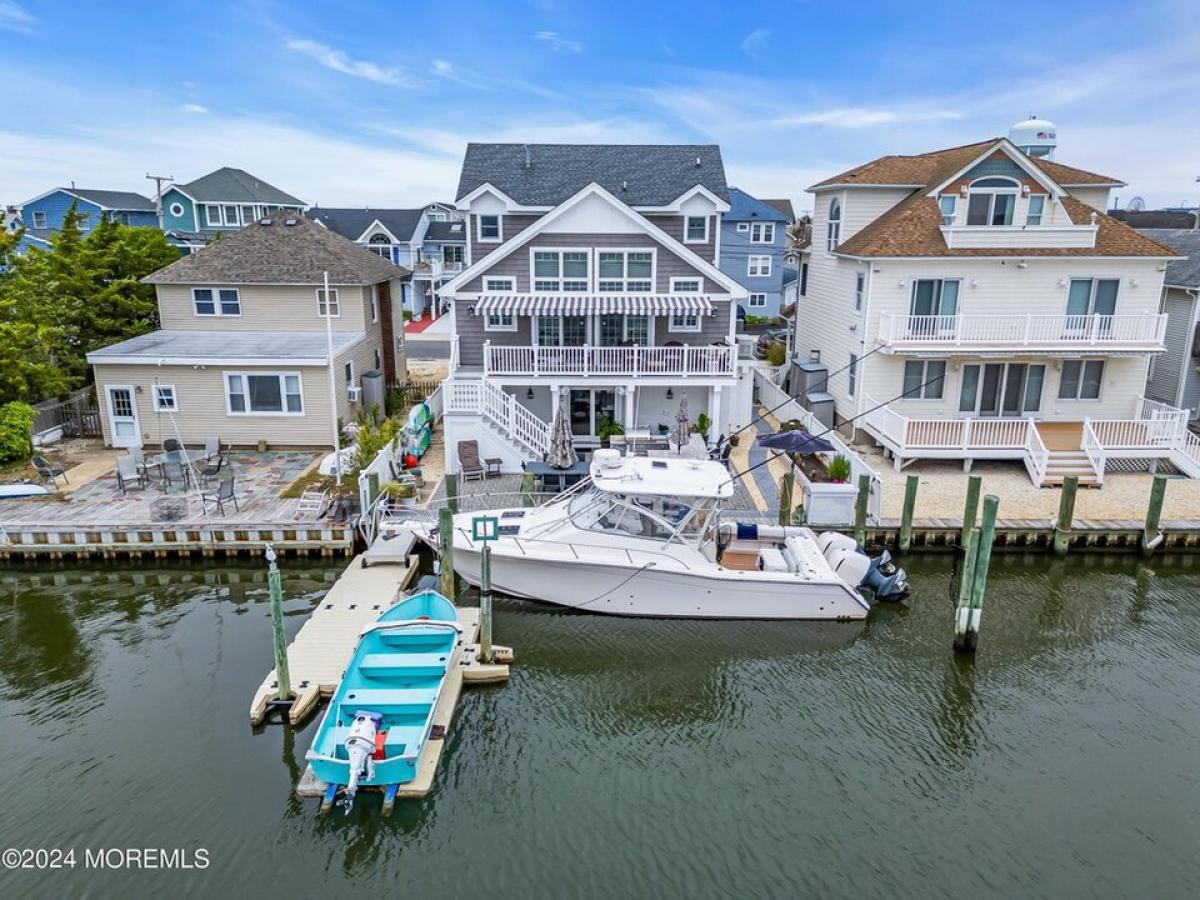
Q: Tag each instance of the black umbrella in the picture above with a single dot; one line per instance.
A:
(798, 441)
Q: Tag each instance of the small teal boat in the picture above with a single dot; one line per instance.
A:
(381, 714)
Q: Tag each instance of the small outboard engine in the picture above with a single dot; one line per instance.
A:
(360, 748)
(852, 564)
(886, 580)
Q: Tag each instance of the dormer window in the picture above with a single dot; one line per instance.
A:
(834, 228)
(1037, 209)
(380, 244)
(947, 203)
(992, 201)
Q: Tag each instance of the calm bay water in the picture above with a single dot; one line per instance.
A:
(631, 758)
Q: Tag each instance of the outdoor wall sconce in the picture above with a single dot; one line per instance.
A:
(670, 394)
(974, 282)
(529, 394)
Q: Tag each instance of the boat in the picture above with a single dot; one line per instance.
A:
(22, 490)
(645, 537)
(381, 714)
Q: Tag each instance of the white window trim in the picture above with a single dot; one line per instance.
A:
(158, 405)
(176, 209)
(953, 198)
(348, 371)
(653, 278)
(337, 302)
(852, 375)
(225, 376)
(217, 312)
(1082, 365)
(560, 278)
(833, 226)
(764, 226)
(675, 289)
(860, 291)
(993, 192)
(1041, 216)
(488, 282)
(750, 265)
(920, 397)
(499, 239)
(703, 240)
(39, 214)
(510, 325)
(750, 304)
(743, 226)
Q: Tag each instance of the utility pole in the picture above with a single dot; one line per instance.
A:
(158, 183)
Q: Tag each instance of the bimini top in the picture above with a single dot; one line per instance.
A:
(667, 477)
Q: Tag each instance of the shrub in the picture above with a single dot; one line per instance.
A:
(16, 432)
(373, 438)
(776, 354)
(838, 469)
(608, 428)
(703, 424)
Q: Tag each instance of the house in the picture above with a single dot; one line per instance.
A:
(1144, 219)
(219, 203)
(242, 352)
(430, 240)
(593, 279)
(1175, 375)
(43, 215)
(752, 246)
(977, 303)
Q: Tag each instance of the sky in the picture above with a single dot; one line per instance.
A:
(373, 104)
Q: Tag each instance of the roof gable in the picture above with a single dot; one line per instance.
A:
(1183, 272)
(236, 186)
(744, 208)
(353, 223)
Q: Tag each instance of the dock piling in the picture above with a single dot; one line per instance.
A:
(1066, 513)
(1152, 536)
(970, 509)
(786, 487)
(906, 515)
(452, 492)
(528, 483)
(966, 626)
(860, 509)
(283, 677)
(485, 604)
(446, 540)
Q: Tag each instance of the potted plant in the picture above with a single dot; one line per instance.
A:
(838, 470)
(703, 424)
(400, 494)
(663, 429)
(607, 429)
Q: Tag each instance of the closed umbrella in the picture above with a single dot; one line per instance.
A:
(681, 425)
(798, 441)
(562, 442)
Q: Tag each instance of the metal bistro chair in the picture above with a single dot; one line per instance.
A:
(212, 447)
(170, 445)
(213, 469)
(49, 471)
(129, 473)
(224, 493)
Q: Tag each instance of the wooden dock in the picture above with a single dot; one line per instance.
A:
(1121, 535)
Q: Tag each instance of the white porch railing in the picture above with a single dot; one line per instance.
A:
(717, 359)
(501, 409)
(1037, 457)
(1029, 332)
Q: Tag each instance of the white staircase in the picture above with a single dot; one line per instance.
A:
(527, 436)
(1069, 462)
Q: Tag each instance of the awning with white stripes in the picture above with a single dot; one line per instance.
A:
(589, 304)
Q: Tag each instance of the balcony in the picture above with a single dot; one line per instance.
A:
(434, 269)
(683, 360)
(1008, 334)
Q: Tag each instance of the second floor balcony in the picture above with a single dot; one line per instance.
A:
(684, 360)
(436, 268)
(1021, 333)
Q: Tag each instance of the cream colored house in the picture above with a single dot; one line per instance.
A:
(243, 354)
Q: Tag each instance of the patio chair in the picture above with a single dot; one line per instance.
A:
(211, 469)
(468, 461)
(49, 471)
(212, 447)
(130, 474)
(224, 493)
(170, 445)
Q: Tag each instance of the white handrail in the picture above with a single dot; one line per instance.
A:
(588, 359)
(1090, 445)
(1037, 456)
(1146, 330)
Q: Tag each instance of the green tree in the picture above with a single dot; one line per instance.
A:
(8, 242)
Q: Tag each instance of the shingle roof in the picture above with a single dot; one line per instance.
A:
(236, 186)
(784, 205)
(744, 208)
(1158, 219)
(117, 200)
(231, 345)
(1186, 242)
(637, 174)
(446, 231)
(351, 223)
(279, 253)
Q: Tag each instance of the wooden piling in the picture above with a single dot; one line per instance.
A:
(1066, 513)
(283, 677)
(966, 630)
(860, 509)
(1151, 535)
(970, 509)
(906, 515)
(528, 482)
(786, 487)
(452, 492)
(485, 604)
(447, 582)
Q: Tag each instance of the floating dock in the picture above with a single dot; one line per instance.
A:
(318, 655)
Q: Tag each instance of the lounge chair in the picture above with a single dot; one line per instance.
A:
(49, 471)
(130, 474)
(468, 460)
(224, 492)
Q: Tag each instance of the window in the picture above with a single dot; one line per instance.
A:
(1001, 389)
(860, 289)
(452, 253)
(381, 245)
(230, 212)
(560, 270)
(924, 379)
(803, 279)
(1037, 208)
(164, 398)
(762, 233)
(489, 229)
(834, 229)
(946, 204)
(378, 360)
(696, 231)
(39, 220)
(176, 209)
(625, 270)
(757, 301)
(248, 215)
(503, 285)
(500, 322)
(1091, 297)
(561, 331)
(216, 301)
(685, 285)
(212, 215)
(334, 306)
(685, 321)
(992, 201)
(743, 226)
(437, 217)
(758, 266)
(348, 371)
(853, 372)
(1081, 379)
(264, 394)
(933, 306)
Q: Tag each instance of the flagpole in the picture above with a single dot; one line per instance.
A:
(333, 408)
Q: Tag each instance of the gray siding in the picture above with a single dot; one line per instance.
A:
(510, 227)
(673, 225)
(1169, 367)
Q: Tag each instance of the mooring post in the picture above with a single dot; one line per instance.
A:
(485, 604)
(967, 575)
(1066, 513)
(971, 509)
(452, 492)
(969, 618)
(786, 486)
(906, 515)
(528, 482)
(283, 678)
(860, 509)
(446, 539)
(1152, 536)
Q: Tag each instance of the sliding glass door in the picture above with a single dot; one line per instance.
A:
(589, 408)
(1001, 389)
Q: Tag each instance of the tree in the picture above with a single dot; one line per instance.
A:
(8, 242)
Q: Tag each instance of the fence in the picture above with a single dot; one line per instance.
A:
(76, 416)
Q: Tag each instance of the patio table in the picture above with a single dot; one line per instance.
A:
(553, 479)
(184, 459)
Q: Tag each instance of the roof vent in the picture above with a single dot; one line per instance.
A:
(265, 220)
(624, 185)
(528, 161)
(697, 162)
(289, 222)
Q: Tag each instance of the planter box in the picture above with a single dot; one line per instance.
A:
(826, 503)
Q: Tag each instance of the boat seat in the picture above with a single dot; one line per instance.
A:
(771, 560)
(804, 557)
(376, 665)
(381, 701)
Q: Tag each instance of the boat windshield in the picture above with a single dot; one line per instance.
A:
(654, 518)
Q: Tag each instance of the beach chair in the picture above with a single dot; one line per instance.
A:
(468, 461)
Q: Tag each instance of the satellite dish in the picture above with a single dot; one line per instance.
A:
(1137, 204)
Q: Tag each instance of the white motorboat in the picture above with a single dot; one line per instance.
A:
(645, 537)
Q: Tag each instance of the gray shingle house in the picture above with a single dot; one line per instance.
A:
(219, 203)
(1174, 376)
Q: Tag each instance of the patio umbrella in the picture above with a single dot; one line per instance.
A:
(798, 441)
(562, 442)
(681, 425)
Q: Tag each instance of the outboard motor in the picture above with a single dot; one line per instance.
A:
(360, 748)
(886, 580)
(880, 575)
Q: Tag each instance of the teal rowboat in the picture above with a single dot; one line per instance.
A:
(381, 714)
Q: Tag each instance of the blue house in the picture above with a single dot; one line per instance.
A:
(220, 202)
(43, 215)
(753, 243)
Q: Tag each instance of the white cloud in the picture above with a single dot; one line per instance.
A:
(337, 60)
(194, 108)
(442, 67)
(15, 18)
(557, 42)
(864, 117)
(752, 42)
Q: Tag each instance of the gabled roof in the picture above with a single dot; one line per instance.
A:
(784, 205)
(449, 231)
(235, 186)
(118, 201)
(745, 208)
(545, 175)
(1185, 242)
(353, 223)
(279, 253)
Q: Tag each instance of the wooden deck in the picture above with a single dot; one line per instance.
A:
(1066, 436)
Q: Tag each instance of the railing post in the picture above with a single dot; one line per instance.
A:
(1066, 513)
(906, 515)
(1095, 329)
(684, 363)
(487, 357)
(1028, 328)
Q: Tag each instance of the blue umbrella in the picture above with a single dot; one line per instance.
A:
(798, 441)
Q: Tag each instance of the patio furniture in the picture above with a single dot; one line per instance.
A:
(170, 445)
(553, 480)
(211, 470)
(212, 447)
(312, 505)
(49, 471)
(468, 461)
(129, 474)
(224, 493)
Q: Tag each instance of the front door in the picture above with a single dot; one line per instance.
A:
(122, 417)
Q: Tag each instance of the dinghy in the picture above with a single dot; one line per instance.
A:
(381, 715)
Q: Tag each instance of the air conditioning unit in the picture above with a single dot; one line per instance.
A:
(354, 393)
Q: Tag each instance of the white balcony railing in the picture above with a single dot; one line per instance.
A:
(1029, 332)
(717, 359)
(436, 268)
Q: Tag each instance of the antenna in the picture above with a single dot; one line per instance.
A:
(158, 183)
(1137, 204)
(528, 161)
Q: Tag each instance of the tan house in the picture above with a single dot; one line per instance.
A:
(243, 351)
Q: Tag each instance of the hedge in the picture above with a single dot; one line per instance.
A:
(16, 432)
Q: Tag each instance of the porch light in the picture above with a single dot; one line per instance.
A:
(670, 394)
(974, 282)
(529, 393)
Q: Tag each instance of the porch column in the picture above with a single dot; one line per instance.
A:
(714, 413)
(628, 421)
(555, 400)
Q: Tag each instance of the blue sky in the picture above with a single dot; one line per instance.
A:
(373, 103)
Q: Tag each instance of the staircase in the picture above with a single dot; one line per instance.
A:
(1070, 462)
(528, 435)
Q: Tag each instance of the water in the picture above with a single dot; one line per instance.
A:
(630, 758)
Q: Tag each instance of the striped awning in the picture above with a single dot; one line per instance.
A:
(589, 304)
